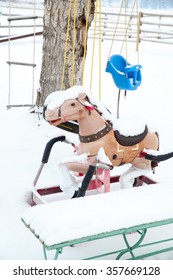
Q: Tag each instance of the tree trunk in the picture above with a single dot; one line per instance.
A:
(64, 44)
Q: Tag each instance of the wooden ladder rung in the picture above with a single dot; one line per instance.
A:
(19, 105)
(21, 63)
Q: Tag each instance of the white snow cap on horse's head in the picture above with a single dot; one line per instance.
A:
(57, 98)
(53, 96)
(76, 90)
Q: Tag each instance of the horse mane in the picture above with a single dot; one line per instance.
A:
(97, 109)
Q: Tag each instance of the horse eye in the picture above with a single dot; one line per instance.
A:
(73, 104)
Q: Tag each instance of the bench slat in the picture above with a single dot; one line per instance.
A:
(100, 215)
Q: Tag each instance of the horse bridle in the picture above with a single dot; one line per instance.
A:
(59, 108)
(92, 137)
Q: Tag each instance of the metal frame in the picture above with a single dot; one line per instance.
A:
(39, 195)
(127, 249)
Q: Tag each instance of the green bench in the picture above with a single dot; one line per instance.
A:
(138, 210)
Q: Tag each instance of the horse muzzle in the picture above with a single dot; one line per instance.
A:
(53, 117)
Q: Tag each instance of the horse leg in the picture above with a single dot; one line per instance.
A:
(68, 184)
(85, 182)
(128, 177)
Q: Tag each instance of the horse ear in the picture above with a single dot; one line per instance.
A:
(82, 97)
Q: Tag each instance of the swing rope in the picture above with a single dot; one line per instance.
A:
(85, 39)
(74, 42)
(125, 38)
(113, 38)
(137, 23)
(127, 27)
(100, 49)
(33, 57)
(93, 46)
(98, 14)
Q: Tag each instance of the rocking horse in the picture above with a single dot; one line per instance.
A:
(101, 140)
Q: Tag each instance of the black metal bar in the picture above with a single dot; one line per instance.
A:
(49, 146)
(22, 18)
(86, 181)
(118, 104)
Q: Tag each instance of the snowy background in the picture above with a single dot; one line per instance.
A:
(24, 136)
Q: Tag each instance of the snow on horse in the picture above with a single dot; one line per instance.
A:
(103, 138)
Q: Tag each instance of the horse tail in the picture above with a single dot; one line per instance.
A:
(156, 156)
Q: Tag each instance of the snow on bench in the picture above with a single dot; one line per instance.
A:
(68, 222)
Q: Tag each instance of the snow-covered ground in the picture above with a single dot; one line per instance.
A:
(24, 135)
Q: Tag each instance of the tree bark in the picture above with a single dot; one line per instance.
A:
(57, 50)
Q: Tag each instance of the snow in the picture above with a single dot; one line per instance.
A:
(24, 136)
(57, 98)
(74, 224)
(130, 126)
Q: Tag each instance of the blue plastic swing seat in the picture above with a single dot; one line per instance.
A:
(126, 76)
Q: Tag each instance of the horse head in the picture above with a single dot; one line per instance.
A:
(67, 106)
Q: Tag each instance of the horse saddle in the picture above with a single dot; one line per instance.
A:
(130, 140)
